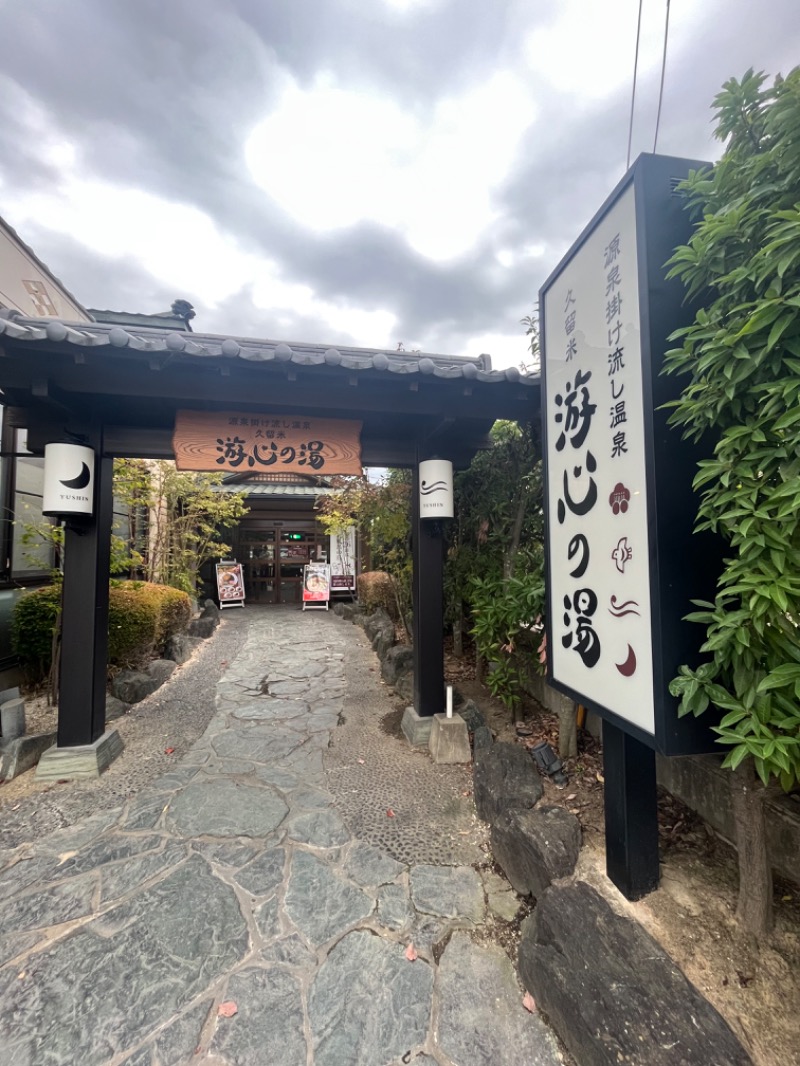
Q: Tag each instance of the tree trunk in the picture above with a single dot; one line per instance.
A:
(510, 559)
(458, 636)
(55, 659)
(754, 909)
(400, 612)
(568, 731)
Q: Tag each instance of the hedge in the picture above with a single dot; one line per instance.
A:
(376, 589)
(141, 618)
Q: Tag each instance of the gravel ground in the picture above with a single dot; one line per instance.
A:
(389, 794)
(173, 717)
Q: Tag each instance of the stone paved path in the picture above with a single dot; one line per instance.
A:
(235, 878)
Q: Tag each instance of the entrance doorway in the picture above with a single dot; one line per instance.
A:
(274, 556)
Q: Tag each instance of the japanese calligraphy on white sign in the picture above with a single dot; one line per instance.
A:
(599, 572)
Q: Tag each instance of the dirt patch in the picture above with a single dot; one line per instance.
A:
(391, 724)
(756, 987)
(497, 930)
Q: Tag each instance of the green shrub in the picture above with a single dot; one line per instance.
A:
(376, 589)
(132, 625)
(172, 609)
(32, 625)
(141, 618)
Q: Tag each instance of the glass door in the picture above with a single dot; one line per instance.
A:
(296, 547)
(261, 584)
(273, 560)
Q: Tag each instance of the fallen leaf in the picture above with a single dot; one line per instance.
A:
(62, 858)
(63, 781)
(529, 1003)
(411, 954)
(169, 751)
(360, 762)
(390, 813)
(22, 976)
(227, 1009)
(786, 899)
(600, 778)
(573, 796)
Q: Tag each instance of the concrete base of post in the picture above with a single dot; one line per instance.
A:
(449, 740)
(82, 761)
(416, 729)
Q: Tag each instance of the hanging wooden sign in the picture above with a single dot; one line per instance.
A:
(242, 442)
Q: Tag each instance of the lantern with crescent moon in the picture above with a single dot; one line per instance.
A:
(68, 481)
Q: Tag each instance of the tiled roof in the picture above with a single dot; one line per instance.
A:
(306, 492)
(210, 346)
(133, 319)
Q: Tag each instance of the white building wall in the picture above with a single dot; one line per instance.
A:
(27, 285)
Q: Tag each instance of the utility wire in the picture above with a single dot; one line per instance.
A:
(633, 93)
(663, 69)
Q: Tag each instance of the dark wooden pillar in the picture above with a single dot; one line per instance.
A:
(428, 596)
(84, 619)
(631, 813)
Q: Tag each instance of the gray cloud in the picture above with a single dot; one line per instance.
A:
(161, 96)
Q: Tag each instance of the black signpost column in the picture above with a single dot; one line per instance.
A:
(631, 815)
(428, 597)
(84, 620)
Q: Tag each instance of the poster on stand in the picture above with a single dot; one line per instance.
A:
(316, 586)
(230, 585)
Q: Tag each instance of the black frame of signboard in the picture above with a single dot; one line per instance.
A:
(683, 565)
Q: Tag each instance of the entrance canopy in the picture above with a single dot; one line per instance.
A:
(118, 390)
(68, 377)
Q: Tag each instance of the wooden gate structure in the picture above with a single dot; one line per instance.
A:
(119, 391)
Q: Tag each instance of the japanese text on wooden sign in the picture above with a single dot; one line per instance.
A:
(597, 478)
(244, 442)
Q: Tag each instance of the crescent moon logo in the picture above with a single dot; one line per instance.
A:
(628, 668)
(81, 481)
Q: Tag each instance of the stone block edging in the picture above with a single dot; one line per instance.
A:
(609, 990)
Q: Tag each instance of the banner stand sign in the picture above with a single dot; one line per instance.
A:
(316, 586)
(230, 584)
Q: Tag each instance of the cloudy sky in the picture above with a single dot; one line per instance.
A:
(346, 171)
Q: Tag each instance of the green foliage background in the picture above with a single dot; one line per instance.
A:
(141, 618)
(742, 357)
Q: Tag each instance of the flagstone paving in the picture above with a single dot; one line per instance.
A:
(285, 865)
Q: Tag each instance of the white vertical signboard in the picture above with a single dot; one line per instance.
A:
(599, 571)
(343, 560)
